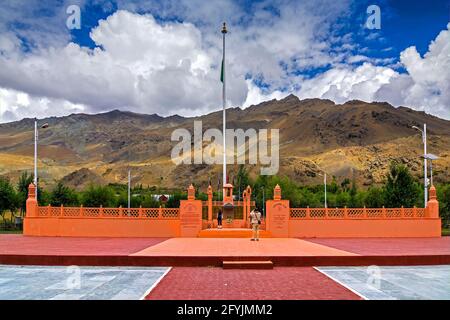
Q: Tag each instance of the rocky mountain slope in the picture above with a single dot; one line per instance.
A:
(354, 139)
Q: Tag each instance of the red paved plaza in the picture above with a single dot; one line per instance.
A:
(285, 283)
(18, 249)
(193, 276)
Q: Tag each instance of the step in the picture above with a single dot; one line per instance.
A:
(248, 264)
(231, 233)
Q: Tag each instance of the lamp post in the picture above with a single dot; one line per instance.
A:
(224, 105)
(129, 190)
(425, 176)
(431, 157)
(36, 138)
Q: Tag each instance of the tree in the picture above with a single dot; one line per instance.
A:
(354, 199)
(149, 201)
(242, 180)
(345, 183)
(309, 198)
(400, 188)
(63, 195)
(96, 196)
(174, 200)
(374, 198)
(8, 198)
(22, 189)
(444, 202)
(343, 199)
(333, 187)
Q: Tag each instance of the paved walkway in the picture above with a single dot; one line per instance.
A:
(12, 244)
(392, 283)
(19, 244)
(389, 246)
(239, 247)
(287, 283)
(24, 250)
(73, 283)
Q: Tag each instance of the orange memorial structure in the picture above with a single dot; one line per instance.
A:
(195, 218)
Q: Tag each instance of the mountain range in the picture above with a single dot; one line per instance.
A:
(352, 140)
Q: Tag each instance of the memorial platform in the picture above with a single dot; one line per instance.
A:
(231, 233)
(27, 250)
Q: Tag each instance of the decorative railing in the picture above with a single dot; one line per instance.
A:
(220, 203)
(357, 213)
(85, 212)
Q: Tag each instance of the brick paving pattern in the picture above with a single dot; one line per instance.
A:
(284, 283)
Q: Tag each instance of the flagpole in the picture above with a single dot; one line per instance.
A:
(224, 178)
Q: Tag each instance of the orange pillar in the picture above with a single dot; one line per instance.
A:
(31, 212)
(31, 204)
(210, 210)
(190, 215)
(244, 208)
(433, 204)
(278, 212)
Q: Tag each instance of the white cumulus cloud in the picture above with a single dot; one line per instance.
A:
(145, 65)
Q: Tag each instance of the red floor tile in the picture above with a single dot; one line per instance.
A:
(23, 245)
(284, 283)
(389, 246)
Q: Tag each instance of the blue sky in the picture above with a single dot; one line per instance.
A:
(132, 54)
(405, 23)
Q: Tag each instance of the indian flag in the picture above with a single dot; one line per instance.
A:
(222, 72)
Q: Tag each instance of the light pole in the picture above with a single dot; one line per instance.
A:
(36, 138)
(431, 157)
(425, 176)
(224, 104)
(129, 190)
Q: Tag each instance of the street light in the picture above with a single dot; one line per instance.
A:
(36, 138)
(425, 176)
(431, 157)
(129, 190)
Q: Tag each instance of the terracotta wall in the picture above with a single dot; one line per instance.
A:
(365, 228)
(101, 227)
(52, 222)
(280, 223)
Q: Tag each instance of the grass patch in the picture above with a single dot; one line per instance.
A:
(446, 232)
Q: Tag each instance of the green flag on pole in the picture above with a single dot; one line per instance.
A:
(221, 73)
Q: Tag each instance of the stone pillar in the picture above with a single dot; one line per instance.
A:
(210, 206)
(31, 204)
(190, 215)
(278, 212)
(433, 204)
